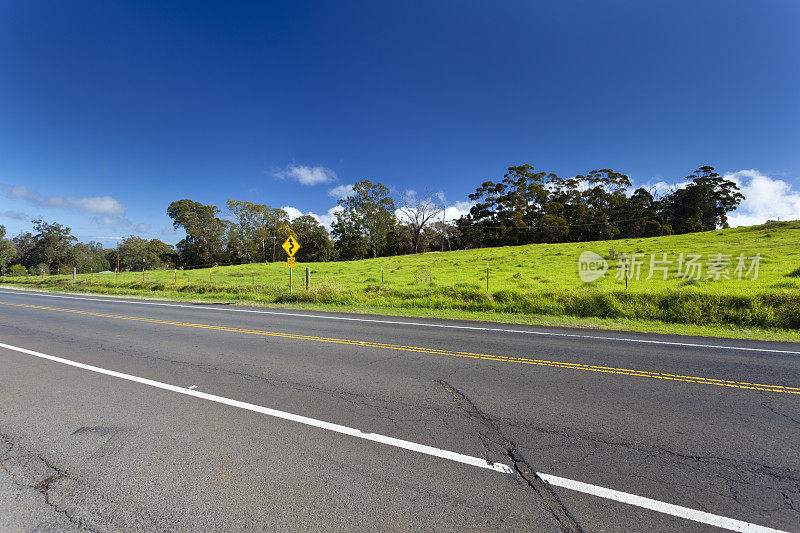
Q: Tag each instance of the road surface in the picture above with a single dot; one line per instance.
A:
(140, 415)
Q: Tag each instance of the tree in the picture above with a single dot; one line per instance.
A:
(349, 242)
(504, 211)
(642, 210)
(370, 211)
(24, 245)
(257, 232)
(704, 204)
(8, 251)
(136, 253)
(315, 243)
(205, 232)
(417, 212)
(273, 225)
(49, 246)
(242, 233)
(87, 257)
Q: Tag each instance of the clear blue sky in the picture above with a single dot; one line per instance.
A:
(150, 102)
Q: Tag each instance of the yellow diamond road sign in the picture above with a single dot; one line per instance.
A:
(291, 246)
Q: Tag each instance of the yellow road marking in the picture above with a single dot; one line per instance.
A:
(435, 351)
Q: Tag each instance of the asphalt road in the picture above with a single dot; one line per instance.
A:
(410, 424)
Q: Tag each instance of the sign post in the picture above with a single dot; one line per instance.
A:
(291, 246)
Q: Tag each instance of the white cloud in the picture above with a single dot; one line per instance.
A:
(293, 212)
(19, 191)
(142, 228)
(765, 199)
(112, 221)
(307, 175)
(341, 191)
(104, 205)
(456, 211)
(15, 215)
(100, 205)
(326, 219)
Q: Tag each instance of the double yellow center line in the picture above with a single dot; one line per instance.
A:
(434, 351)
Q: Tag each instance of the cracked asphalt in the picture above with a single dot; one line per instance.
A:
(84, 451)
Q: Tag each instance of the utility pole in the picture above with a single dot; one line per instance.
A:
(274, 231)
(443, 227)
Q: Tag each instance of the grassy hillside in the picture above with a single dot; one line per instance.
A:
(525, 282)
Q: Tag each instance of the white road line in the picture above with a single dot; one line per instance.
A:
(586, 488)
(656, 505)
(415, 324)
(391, 441)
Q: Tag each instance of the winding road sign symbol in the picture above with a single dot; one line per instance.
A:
(291, 246)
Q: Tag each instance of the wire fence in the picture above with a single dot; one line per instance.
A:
(490, 277)
(503, 270)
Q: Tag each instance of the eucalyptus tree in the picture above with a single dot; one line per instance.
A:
(369, 211)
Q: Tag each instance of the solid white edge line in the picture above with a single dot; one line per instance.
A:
(659, 506)
(375, 437)
(586, 488)
(404, 323)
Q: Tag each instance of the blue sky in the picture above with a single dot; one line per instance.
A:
(111, 110)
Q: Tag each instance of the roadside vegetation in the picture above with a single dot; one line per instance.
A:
(535, 283)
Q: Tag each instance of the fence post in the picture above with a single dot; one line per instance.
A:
(74, 273)
(381, 275)
(308, 278)
(626, 273)
(487, 277)
(176, 275)
(253, 277)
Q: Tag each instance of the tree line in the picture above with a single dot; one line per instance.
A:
(52, 249)
(525, 206)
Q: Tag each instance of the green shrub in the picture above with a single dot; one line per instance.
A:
(17, 270)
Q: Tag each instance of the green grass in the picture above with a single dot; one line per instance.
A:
(528, 284)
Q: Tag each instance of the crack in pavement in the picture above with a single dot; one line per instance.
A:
(768, 404)
(735, 474)
(28, 464)
(494, 441)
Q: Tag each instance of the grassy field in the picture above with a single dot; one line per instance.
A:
(530, 284)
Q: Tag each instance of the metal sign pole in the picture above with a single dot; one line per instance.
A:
(290, 280)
